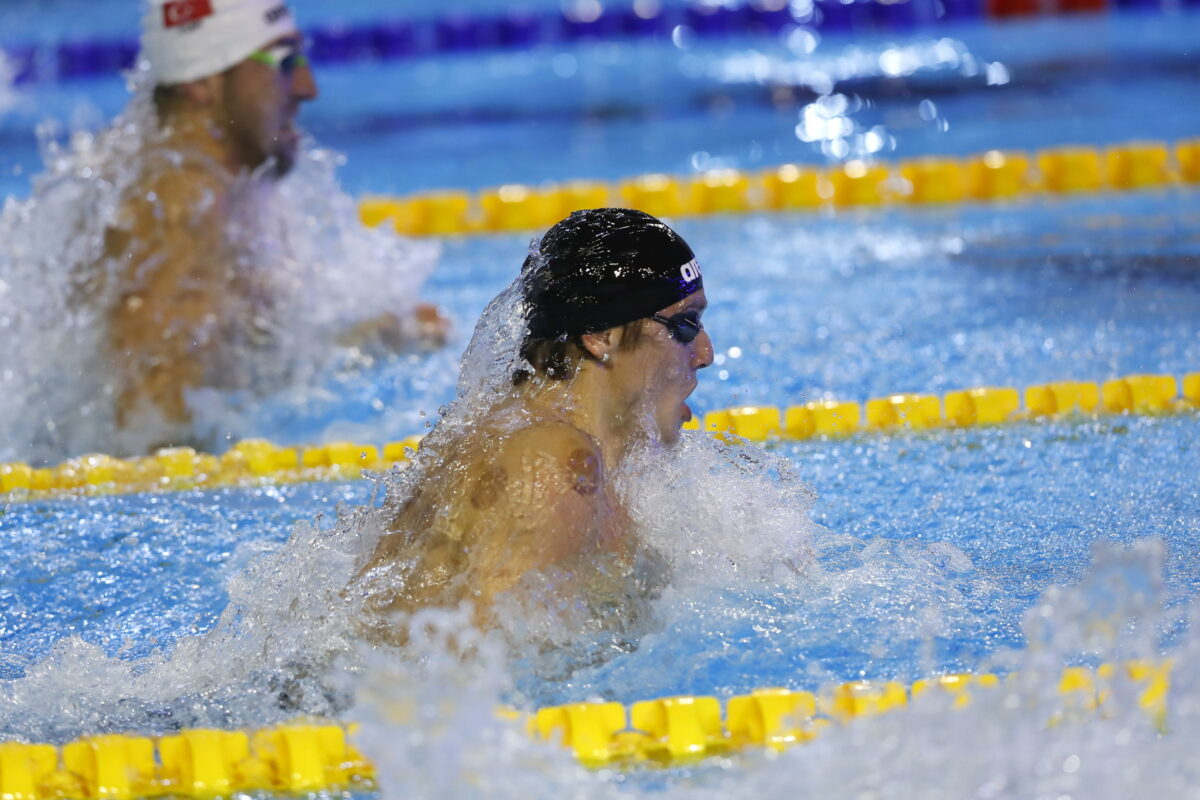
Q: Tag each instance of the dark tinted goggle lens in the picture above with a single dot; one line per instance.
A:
(292, 62)
(683, 327)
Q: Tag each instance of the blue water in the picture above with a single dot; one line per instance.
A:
(1024, 503)
(803, 306)
(858, 306)
(851, 307)
(608, 110)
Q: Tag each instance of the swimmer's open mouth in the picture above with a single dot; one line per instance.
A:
(288, 131)
(687, 410)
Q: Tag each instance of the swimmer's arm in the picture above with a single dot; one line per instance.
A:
(424, 325)
(548, 515)
(172, 277)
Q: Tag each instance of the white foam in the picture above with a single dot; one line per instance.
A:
(428, 725)
(428, 716)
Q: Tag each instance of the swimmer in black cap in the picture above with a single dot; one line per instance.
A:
(603, 283)
(614, 300)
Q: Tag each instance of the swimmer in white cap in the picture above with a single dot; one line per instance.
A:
(229, 77)
(232, 73)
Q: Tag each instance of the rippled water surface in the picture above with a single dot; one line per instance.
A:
(1020, 506)
(609, 110)
(1017, 547)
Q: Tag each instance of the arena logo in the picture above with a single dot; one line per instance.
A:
(690, 271)
(185, 12)
(277, 13)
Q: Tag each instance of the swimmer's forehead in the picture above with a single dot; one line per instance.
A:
(696, 301)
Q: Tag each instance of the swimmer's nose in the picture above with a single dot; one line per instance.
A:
(702, 353)
(304, 84)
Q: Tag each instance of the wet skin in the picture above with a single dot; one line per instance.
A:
(660, 373)
(529, 488)
(259, 104)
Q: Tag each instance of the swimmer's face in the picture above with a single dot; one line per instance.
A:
(259, 105)
(660, 371)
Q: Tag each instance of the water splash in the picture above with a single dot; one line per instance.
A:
(297, 615)
(288, 626)
(299, 238)
(429, 718)
(721, 519)
(1023, 740)
(748, 488)
(758, 595)
(430, 723)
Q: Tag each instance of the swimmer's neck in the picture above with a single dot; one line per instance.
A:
(588, 402)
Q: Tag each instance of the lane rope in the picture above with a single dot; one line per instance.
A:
(308, 757)
(256, 462)
(994, 176)
(583, 20)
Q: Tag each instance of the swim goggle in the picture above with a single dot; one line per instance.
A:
(683, 327)
(285, 57)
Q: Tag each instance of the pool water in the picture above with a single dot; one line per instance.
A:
(958, 531)
(937, 551)
(613, 109)
(804, 307)
(1021, 505)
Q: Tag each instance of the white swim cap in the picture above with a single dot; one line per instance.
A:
(185, 40)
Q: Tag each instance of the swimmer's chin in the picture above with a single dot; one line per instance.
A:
(282, 163)
(669, 434)
(283, 157)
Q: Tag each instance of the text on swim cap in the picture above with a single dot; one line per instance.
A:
(690, 271)
(182, 12)
(277, 13)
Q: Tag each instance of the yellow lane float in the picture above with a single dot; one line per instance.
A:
(996, 175)
(306, 757)
(256, 461)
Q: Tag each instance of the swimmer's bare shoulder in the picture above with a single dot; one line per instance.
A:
(509, 500)
(171, 277)
(167, 199)
(536, 503)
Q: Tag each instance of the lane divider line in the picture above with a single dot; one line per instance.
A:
(994, 176)
(518, 29)
(255, 462)
(303, 758)
(1132, 394)
(250, 462)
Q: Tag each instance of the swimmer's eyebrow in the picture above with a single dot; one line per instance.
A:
(697, 305)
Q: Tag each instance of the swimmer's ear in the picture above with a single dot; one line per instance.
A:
(599, 345)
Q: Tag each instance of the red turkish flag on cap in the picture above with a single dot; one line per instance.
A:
(181, 12)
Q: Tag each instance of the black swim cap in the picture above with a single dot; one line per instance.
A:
(604, 267)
